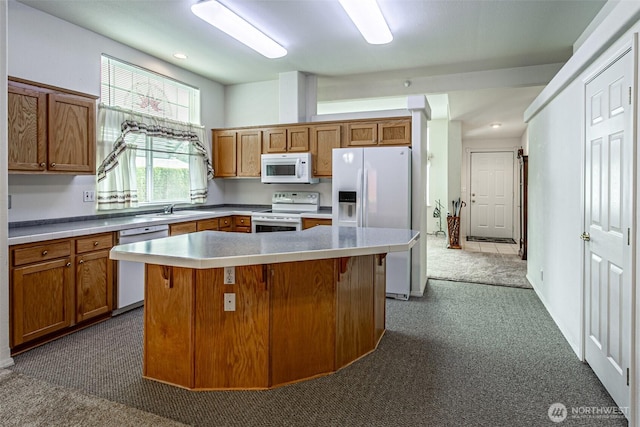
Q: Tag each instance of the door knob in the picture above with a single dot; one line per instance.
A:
(585, 236)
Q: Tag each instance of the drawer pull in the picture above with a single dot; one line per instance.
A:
(95, 243)
(44, 252)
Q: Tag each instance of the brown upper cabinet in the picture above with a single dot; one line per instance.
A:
(291, 139)
(388, 132)
(237, 153)
(249, 149)
(50, 130)
(225, 153)
(324, 138)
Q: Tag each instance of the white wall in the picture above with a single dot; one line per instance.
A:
(46, 49)
(554, 249)
(253, 192)
(469, 146)
(454, 145)
(252, 104)
(438, 173)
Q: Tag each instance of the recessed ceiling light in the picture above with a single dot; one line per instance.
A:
(180, 55)
(225, 20)
(495, 125)
(366, 15)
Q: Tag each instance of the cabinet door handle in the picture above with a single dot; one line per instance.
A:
(68, 264)
(44, 252)
(53, 165)
(43, 164)
(81, 261)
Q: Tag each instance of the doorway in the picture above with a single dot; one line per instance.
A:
(491, 195)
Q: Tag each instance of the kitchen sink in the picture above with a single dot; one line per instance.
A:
(175, 214)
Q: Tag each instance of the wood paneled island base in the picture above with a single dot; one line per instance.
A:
(292, 321)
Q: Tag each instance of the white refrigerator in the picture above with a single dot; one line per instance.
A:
(371, 187)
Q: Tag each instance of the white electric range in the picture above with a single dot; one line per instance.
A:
(286, 211)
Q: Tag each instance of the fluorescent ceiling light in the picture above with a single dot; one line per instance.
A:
(180, 55)
(369, 20)
(225, 20)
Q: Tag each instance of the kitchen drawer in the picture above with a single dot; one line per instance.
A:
(225, 222)
(242, 221)
(44, 252)
(312, 222)
(242, 229)
(94, 243)
(183, 228)
(208, 224)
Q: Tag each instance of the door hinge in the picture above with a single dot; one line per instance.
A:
(627, 376)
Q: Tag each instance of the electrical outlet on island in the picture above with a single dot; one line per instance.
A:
(229, 275)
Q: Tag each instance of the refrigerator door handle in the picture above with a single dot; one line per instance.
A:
(365, 198)
(359, 196)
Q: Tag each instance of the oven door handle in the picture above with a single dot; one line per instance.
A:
(278, 220)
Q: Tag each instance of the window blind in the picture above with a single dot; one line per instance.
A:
(136, 89)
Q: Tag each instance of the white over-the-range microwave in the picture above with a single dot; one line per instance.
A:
(287, 168)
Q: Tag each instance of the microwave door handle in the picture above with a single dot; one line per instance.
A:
(298, 168)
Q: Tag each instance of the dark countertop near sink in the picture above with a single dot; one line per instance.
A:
(60, 228)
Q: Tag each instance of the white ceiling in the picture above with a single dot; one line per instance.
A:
(441, 46)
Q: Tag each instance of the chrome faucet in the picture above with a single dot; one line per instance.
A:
(169, 209)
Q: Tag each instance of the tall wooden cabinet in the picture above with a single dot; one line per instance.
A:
(524, 172)
(51, 130)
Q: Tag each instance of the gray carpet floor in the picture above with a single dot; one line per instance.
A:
(459, 356)
(474, 267)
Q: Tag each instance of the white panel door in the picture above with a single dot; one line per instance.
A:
(608, 209)
(491, 210)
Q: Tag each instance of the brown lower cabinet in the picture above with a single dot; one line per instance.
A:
(237, 223)
(58, 286)
(312, 222)
(270, 337)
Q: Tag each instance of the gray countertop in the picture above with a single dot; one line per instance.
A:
(63, 230)
(213, 249)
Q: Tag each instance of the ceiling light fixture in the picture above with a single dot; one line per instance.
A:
(179, 55)
(495, 125)
(227, 21)
(366, 15)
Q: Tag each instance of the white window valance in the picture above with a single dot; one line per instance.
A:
(122, 132)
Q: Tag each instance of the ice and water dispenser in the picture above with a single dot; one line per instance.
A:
(347, 209)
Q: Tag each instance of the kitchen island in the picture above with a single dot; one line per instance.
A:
(255, 311)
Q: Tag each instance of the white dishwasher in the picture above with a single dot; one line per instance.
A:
(131, 274)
